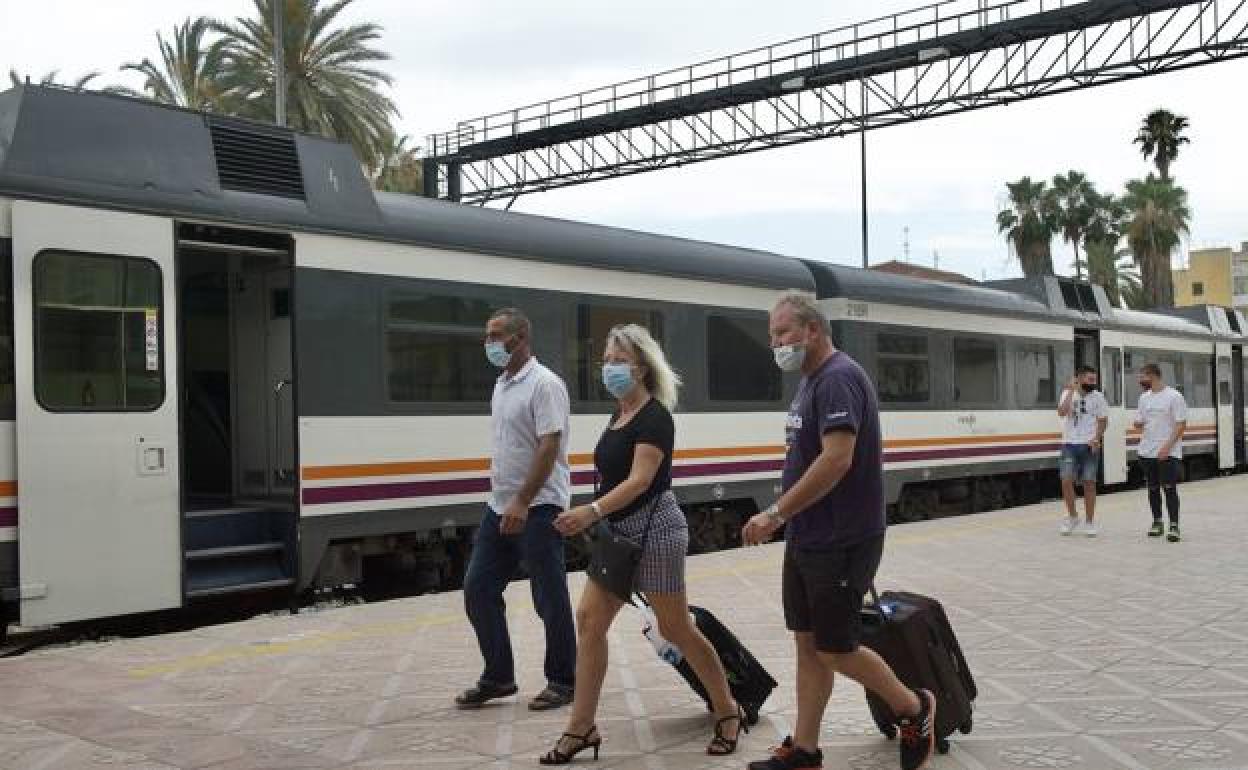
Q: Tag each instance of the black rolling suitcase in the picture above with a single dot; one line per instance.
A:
(749, 681)
(912, 634)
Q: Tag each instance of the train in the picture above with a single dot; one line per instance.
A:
(230, 368)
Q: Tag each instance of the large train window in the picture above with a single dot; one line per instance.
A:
(433, 348)
(589, 340)
(976, 371)
(1035, 379)
(903, 374)
(1199, 391)
(735, 345)
(1224, 381)
(98, 328)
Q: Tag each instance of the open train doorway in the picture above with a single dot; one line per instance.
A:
(237, 410)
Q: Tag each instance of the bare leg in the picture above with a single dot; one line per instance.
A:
(676, 626)
(594, 615)
(814, 686)
(1068, 494)
(1089, 500)
(869, 670)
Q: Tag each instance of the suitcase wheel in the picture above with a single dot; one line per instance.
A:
(942, 746)
(890, 731)
(966, 728)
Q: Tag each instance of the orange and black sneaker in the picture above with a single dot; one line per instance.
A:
(787, 756)
(918, 734)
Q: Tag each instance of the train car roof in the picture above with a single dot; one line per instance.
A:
(110, 151)
(874, 286)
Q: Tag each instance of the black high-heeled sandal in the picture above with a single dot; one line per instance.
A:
(590, 740)
(722, 746)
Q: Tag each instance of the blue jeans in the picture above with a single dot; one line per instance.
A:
(495, 557)
(1078, 462)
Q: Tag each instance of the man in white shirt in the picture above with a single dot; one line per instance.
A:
(529, 487)
(1162, 419)
(1084, 413)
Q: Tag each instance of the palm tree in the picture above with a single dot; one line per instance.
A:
(330, 87)
(1112, 269)
(1159, 215)
(399, 168)
(1029, 225)
(1160, 137)
(50, 79)
(1074, 198)
(190, 69)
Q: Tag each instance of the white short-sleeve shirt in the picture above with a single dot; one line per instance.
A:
(1079, 427)
(525, 407)
(1160, 412)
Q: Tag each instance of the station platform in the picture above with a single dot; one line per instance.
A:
(1119, 651)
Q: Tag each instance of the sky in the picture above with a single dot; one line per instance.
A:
(933, 186)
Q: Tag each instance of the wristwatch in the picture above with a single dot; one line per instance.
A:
(597, 511)
(773, 513)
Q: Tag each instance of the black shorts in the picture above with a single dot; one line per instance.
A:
(823, 591)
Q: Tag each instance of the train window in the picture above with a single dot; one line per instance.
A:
(1035, 380)
(1199, 392)
(7, 408)
(1111, 376)
(586, 348)
(434, 348)
(1224, 381)
(976, 371)
(736, 345)
(903, 374)
(98, 333)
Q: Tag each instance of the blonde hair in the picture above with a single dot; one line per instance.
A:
(661, 380)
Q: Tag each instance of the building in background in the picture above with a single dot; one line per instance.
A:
(919, 271)
(1213, 277)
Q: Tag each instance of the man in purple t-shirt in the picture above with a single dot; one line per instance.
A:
(833, 506)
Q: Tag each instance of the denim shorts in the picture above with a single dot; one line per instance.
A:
(1079, 462)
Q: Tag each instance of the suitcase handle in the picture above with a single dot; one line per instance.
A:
(875, 601)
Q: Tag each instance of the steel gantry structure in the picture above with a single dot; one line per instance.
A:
(936, 60)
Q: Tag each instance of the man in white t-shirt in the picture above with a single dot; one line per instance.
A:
(1162, 419)
(1084, 413)
(529, 486)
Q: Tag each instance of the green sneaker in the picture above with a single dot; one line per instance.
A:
(1173, 537)
(1158, 529)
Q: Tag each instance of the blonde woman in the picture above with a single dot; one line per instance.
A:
(634, 463)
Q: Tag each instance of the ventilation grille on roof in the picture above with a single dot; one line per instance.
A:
(1079, 296)
(1233, 319)
(254, 159)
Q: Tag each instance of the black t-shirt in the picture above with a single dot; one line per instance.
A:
(613, 457)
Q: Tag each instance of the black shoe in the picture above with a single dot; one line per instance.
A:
(918, 734)
(787, 756)
(478, 696)
(1173, 535)
(1157, 530)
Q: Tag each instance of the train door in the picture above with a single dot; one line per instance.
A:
(1114, 450)
(97, 413)
(238, 415)
(1229, 425)
(1237, 397)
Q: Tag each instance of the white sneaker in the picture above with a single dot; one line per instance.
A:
(1089, 530)
(1069, 525)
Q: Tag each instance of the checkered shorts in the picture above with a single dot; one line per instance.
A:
(662, 568)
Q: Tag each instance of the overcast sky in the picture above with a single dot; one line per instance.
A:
(942, 179)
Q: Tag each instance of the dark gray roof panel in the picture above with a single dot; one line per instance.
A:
(873, 286)
(116, 152)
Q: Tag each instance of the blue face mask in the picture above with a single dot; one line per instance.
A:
(617, 378)
(497, 353)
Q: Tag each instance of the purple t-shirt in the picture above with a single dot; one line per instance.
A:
(838, 396)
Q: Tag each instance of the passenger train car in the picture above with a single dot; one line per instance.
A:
(230, 367)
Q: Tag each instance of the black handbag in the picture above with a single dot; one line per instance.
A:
(614, 559)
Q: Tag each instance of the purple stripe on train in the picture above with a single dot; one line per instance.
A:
(8, 517)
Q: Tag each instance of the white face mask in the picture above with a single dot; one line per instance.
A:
(790, 357)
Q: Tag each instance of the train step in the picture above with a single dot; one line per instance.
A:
(237, 549)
